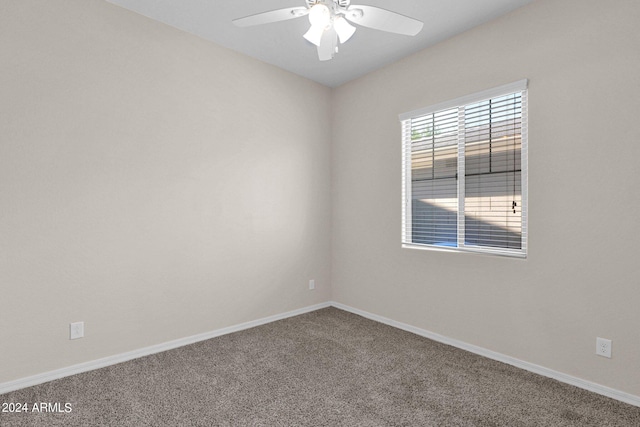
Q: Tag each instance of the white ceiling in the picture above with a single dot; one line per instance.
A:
(282, 45)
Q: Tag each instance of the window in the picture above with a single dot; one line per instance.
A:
(465, 173)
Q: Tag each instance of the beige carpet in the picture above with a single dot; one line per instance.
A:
(326, 368)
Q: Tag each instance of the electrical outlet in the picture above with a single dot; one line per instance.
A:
(603, 347)
(312, 284)
(76, 330)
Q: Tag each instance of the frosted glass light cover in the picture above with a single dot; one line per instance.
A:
(343, 28)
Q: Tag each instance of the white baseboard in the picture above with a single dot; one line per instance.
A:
(541, 370)
(123, 357)
(119, 358)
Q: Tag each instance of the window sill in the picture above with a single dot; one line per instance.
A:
(473, 250)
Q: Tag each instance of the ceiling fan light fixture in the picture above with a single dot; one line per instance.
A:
(314, 35)
(331, 22)
(343, 28)
(320, 16)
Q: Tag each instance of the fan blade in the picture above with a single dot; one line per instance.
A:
(272, 16)
(328, 43)
(382, 19)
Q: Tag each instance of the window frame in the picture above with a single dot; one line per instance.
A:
(520, 86)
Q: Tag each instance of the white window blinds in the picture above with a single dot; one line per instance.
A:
(464, 173)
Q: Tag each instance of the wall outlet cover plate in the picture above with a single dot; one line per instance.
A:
(603, 347)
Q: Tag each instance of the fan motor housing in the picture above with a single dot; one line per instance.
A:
(340, 3)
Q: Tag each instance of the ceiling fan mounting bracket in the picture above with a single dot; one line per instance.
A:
(336, 6)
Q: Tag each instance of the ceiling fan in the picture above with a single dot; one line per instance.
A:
(329, 24)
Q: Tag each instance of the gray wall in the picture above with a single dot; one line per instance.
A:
(152, 185)
(582, 277)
